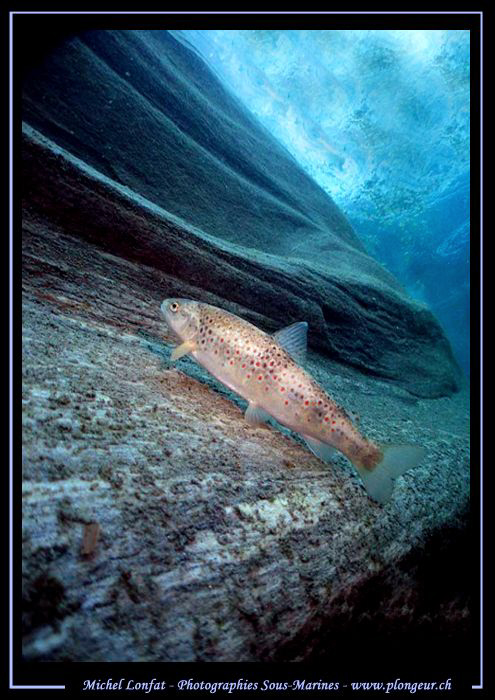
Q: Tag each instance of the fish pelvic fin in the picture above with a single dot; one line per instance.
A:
(397, 459)
(255, 415)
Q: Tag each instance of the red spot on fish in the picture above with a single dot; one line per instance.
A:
(333, 422)
(266, 388)
(232, 362)
(307, 403)
(319, 403)
(237, 351)
(286, 403)
(327, 418)
(260, 377)
(257, 364)
(333, 430)
(221, 340)
(248, 376)
(282, 388)
(242, 365)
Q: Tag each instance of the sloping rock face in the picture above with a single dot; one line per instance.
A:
(145, 111)
(157, 524)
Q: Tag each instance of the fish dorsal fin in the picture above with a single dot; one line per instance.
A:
(294, 339)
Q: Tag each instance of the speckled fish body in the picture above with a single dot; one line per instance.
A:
(264, 369)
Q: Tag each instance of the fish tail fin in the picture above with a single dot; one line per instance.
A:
(397, 459)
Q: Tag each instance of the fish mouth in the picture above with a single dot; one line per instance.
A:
(166, 313)
(172, 334)
(163, 308)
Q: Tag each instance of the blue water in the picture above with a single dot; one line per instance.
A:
(380, 119)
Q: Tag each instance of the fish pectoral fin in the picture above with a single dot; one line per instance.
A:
(294, 339)
(320, 449)
(255, 415)
(182, 350)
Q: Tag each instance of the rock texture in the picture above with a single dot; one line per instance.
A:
(157, 524)
(143, 110)
(216, 541)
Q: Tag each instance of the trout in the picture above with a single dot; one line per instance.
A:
(266, 371)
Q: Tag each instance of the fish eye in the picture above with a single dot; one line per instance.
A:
(174, 306)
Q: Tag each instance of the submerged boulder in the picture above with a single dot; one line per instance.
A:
(157, 524)
(143, 110)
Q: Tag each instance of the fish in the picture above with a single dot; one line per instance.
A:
(267, 371)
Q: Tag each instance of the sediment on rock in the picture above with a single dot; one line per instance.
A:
(157, 524)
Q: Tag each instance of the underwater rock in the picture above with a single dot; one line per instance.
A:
(157, 524)
(142, 109)
(360, 323)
